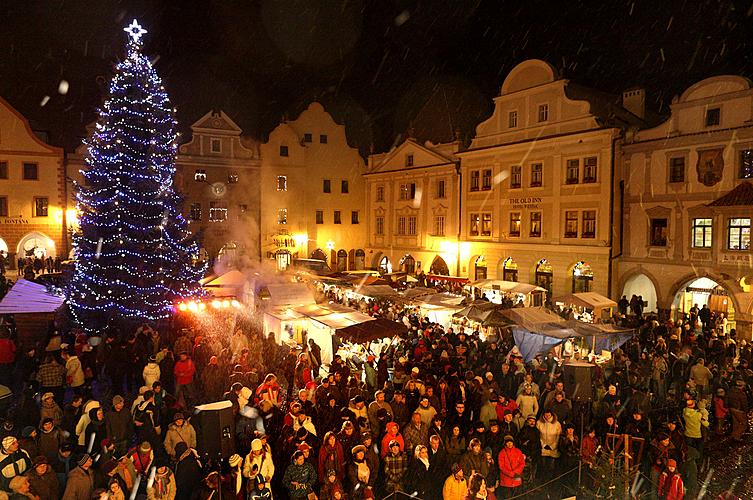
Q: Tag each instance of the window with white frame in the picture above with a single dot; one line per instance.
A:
(516, 176)
(401, 225)
(486, 224)
(282, 215)
(514, 224)
(408, 191)
(572, 172)
(486, 180)
(379, 225)
(480, 224)
(439, 225)
(589, 170)
(571, 224)
(537, 174)
(738, 234)
(589, 224)
(475, 180)
(217, 211)
(535, 227)
(701, 233)
(543, 112)
(412, 225)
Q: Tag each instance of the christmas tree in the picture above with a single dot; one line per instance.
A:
(134, 254)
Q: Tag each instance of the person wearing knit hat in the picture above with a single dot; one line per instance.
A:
(15, 461)
(670, 482)
(235, 460)
(180, 430)
(80, 482)
(43, 480)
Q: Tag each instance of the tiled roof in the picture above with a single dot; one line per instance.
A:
(741, 196)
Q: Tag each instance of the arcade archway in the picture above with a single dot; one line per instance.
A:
(641, 285)
(545, 276)
(583, 277)
(439, 266)
(508, 270)
(479, 268)
(385, 266)
(36, 244)
(704, 291)
(408, 264)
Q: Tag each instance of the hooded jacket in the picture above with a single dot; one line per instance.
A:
(549, 435)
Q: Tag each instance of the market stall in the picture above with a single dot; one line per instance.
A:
(439, 307)
(499, 291)
(33, 307)
(230, 284)
(589, 307)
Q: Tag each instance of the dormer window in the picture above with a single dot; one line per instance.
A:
(216, 145)
(713, 116)
(409, 160)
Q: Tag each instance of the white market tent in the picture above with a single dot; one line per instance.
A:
(230, 284)
(29, 297)
(320, 321)
(439, 307)
(507, 288)
(289, 294)
(588, 300)
(374, 291)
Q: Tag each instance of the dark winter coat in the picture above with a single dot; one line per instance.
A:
(46, 486)
(80, 485)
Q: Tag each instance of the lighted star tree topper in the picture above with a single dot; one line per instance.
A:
(134, 254)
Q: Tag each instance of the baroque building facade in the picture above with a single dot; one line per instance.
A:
(312, 194)
(538, 184)
(33, 216)
(412, 199)
(688, 204)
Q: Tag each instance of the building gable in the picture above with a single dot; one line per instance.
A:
(400, 158)
(16, 134)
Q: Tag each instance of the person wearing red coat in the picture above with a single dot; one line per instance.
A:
(331, 457)
(393, 433)
(670, 483)
(184, 371)
(511, 462)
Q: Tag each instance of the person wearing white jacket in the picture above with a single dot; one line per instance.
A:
(151, 372)
(259, 462)
(84, 420)
(549, 430)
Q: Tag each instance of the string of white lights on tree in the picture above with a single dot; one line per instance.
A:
(134, 254)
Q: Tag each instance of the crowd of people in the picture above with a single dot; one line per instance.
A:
(437, 414)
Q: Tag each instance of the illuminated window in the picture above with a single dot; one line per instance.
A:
(738, 234)
(408, 191)
(702, 233)
(480, 224)
(475, 224)
(282, 183)
(41, 207)
(232, 178)
(217, 211)
(200, 175)
(535, 229)
(515, 224)
(746, 164)
(486, 224)
(282, 215)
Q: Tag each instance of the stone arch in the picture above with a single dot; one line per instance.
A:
(581, 277)
(439, 266)
(478, 268)
(319, 254)
(408, 264)
(507, 269)
(36, 244)
(636, 273)
(730, 286)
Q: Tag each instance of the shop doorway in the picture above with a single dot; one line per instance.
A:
(408, 264)
(439, 266)
(479, 268)
(342, 260)
(360, 261)
(704, 291)
(583, 277)
(509, 270)
(545, 276)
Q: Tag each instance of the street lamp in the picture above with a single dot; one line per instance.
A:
(330, 245)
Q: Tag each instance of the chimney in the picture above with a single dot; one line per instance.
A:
(634, 100)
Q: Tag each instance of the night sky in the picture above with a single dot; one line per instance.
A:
(380, 66)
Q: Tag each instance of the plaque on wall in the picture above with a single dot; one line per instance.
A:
(710, 166)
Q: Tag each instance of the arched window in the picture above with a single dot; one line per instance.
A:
(385, 266)
(544, 276)
(480, 268)
(282, 258)
(342, 260)
(509, 270)
(582, 277)
(408, 264)
(36, 244)
(360, 261)
(319, 255)
(439, 266)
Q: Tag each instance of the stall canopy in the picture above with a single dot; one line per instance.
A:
(540, 321)
(375, 291)
(601, 336)
(475, 311)
(506, 286)
(227, 285)
(372, 330)
(28, 297)
(290, 294)
(589, 300)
